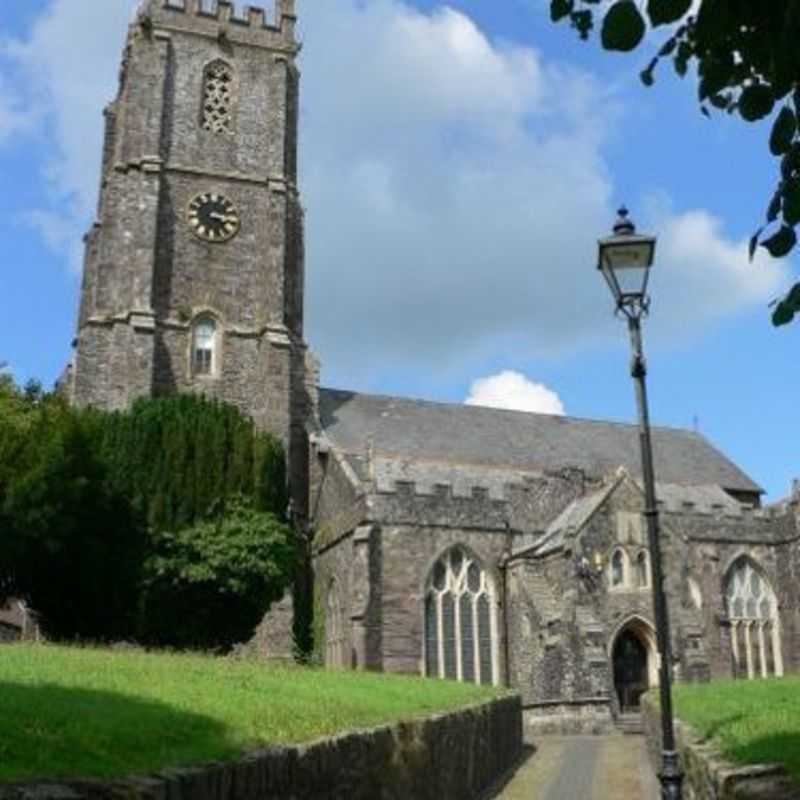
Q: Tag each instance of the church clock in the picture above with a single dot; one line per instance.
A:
(213, 217)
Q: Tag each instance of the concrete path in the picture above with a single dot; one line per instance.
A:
(612, 767)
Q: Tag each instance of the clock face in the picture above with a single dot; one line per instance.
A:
(213, 217)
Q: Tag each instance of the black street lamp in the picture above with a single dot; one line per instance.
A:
(625, 260)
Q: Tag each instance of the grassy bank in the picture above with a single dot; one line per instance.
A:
(751, 722)
(69, 712)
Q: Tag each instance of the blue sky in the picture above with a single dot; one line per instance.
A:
(459, 162)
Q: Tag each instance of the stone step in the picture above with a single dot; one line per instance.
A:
(630, 724)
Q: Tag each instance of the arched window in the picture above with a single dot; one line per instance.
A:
(618, 568)
(335, 652)
(459, 620)
(217, 115)
(642, 570)
(755, 626)
(204, 347)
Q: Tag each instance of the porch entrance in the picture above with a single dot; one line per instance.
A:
(631, 674)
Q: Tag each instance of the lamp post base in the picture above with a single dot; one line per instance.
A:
(670, 776)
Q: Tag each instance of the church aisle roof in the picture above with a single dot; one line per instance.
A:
(419, 430)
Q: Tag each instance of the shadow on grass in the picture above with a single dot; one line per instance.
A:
(777, 748)
(51, 731)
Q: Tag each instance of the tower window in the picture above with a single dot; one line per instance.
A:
(204, 347)
(218, 98)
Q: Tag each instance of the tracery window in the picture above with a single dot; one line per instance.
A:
(335, 651)
(755, 626)
(204, 347)
(459, 620)
(218, 98)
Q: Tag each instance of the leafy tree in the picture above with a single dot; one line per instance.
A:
(208, 585)
(69, 543)
(164, 523)
(748, 62)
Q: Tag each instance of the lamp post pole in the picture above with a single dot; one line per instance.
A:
(625, 259)
(670, 775)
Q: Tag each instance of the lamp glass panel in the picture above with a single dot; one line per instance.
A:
(631, 280)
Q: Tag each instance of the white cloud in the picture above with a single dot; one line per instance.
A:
(514, 391)
(66, 70)
(14, 121)
(455, 186)
(700, 274)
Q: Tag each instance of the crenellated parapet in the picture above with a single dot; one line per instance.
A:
(226, 20)
(406, 503)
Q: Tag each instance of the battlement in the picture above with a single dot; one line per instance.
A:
(223, 14)
(406, 502)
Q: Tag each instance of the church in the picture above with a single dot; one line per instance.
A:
(451, 541)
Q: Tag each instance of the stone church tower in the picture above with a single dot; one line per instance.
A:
(193, 277)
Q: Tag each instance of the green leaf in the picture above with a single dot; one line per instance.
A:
(682, 57)
(775, 205)
(783, 314)
(583, 22)
(720, 101)
(756, 102)
(560, 9)
(793, 298)
(623, 27)
(646, 75)
(665, 12)
(791, 201)
(781, 243)
(783, 132)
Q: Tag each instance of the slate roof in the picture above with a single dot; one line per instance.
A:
(490, 439)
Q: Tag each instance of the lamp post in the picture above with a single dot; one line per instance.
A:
(625, 260)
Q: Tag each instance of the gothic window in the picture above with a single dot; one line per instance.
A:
(335, 651)
(618, 569)
(459, 623)
(218, 98)
(755, 625)
(642, 570)
(204, 347)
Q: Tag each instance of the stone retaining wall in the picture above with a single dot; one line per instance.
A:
(707, 776)
(445, 757)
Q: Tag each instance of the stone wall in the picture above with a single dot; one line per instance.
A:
(446, 757)
(707, 776)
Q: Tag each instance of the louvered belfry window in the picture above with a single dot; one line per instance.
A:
(459, 627)
(218, 98)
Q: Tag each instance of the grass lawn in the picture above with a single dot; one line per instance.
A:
(71, 712)
(752, 722)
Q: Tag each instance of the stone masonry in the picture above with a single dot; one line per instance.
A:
(460, 542)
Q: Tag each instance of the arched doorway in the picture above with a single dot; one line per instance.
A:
(633, 659)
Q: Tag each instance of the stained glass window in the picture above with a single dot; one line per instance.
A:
(459, 628)
(754, 622)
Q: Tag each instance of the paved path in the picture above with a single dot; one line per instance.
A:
(613, 767)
